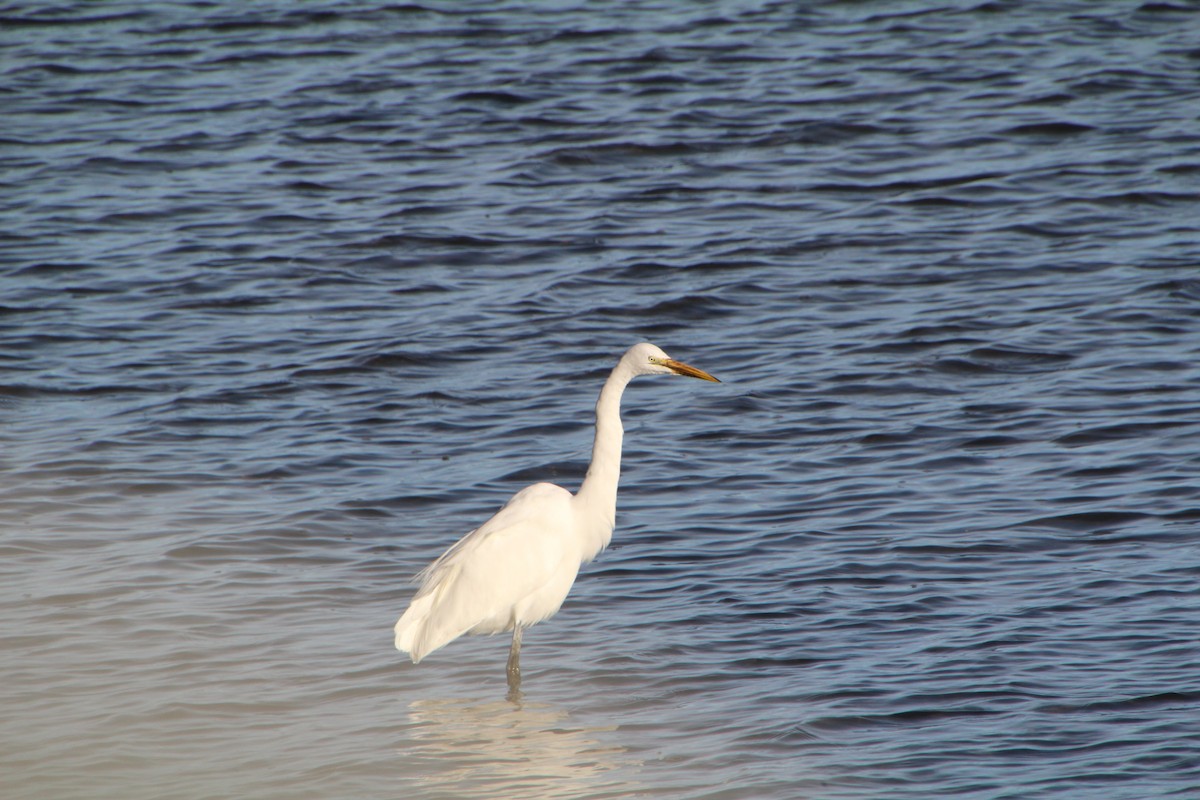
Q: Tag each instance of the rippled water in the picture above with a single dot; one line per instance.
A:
(291, 296)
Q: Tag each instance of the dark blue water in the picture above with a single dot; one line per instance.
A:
(292, 296)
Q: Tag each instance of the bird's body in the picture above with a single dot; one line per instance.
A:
(502, 575)
(516, 569)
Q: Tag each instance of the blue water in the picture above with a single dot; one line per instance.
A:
(292, 296)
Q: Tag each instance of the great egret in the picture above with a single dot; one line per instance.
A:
(515, 570)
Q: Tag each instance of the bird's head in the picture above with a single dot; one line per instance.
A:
(649, 359)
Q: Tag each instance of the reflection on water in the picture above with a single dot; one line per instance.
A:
(510, 748)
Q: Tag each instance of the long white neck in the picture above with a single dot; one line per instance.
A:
(596, 500)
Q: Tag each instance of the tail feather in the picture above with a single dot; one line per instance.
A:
(430, 621)
(410, 627)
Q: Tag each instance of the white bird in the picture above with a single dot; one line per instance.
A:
(515, 570)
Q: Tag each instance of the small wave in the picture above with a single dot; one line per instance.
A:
(1088, 521)
(1050, 130)
(1004, 360)
(1100, 434)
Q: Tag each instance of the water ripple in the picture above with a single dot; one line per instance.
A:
(290, 298)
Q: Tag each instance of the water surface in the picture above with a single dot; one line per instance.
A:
(293, 296)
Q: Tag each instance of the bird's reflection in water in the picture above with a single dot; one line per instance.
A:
(510, 748)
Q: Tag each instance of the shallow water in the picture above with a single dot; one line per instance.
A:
(293, 296)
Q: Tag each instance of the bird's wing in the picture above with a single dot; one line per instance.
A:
(477, 582)
(531, 517)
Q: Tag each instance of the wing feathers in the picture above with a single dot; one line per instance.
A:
(509, 570)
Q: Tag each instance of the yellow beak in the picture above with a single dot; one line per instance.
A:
(681, 368)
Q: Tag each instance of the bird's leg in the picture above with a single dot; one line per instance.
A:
(514, 660)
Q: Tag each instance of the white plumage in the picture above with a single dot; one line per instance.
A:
(504, 572)
(516, 569)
